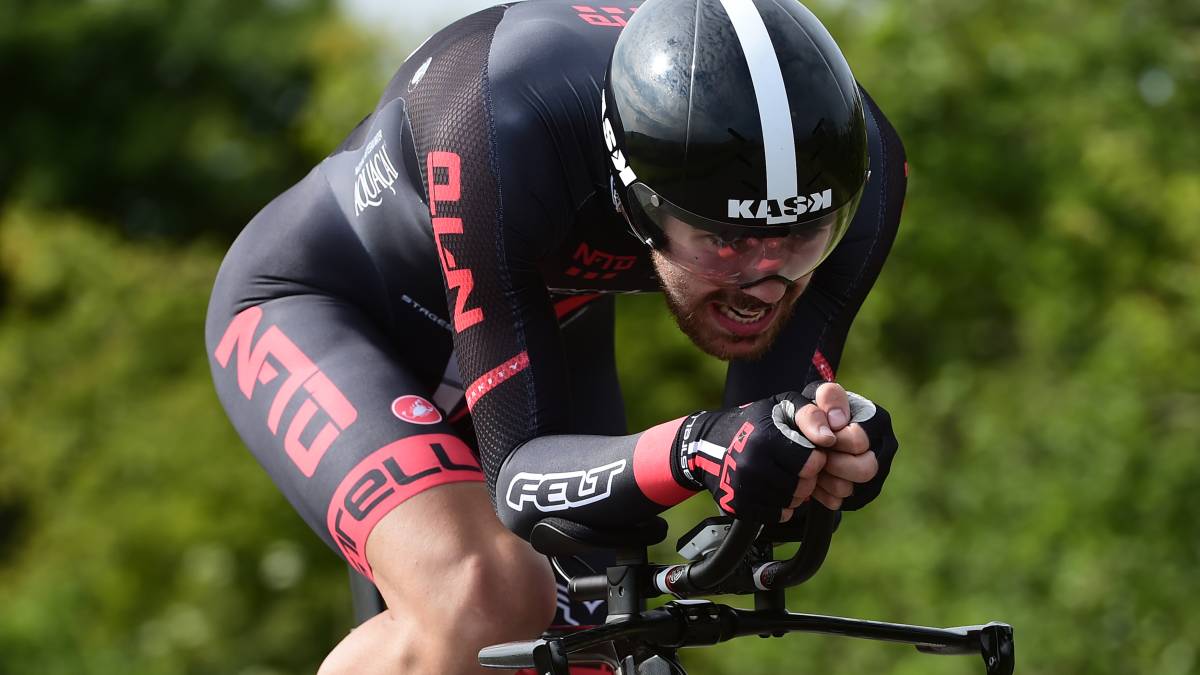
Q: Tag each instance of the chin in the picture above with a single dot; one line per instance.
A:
(689, 300)
(714, 341)
(732, 348)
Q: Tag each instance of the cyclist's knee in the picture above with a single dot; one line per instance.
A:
(507, 592)
(486, 597)
(445, 559)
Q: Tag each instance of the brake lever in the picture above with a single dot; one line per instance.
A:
(510, 655)
(545, 656)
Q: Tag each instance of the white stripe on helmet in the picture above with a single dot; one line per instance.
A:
(773, 108)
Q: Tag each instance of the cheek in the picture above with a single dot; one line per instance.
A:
(684, 288)
(695, 293)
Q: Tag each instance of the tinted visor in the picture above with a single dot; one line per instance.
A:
(740, 254)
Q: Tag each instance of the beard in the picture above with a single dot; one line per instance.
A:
(692, 315)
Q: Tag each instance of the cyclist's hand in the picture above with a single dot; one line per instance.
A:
(753, 459)
(858, 436)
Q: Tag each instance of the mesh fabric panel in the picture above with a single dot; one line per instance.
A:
(449, 111)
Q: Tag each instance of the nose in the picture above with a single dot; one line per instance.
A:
(769, 291)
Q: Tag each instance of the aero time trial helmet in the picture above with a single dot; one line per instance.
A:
(736, 136)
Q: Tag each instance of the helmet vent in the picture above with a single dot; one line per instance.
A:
(821, 141)
(740, 139)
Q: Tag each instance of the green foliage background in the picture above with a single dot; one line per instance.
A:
(1034, 334)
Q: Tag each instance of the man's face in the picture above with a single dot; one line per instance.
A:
(728, 323)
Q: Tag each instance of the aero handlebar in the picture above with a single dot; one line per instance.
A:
(739, 564)
(724, 570)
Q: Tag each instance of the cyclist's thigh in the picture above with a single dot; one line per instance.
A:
(446, 551)
(463, 517)
(343, 428)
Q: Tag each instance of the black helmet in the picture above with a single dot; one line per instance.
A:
(736, 136)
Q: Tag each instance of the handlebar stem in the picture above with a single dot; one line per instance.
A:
(626, 594)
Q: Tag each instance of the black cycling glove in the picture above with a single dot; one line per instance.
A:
(749, 458)
(877, 424)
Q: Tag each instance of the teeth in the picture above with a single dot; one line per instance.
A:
(742, 316)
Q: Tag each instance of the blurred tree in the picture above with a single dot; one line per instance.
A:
(135, 531)
(1034, 335)
(172, 118)
(138, 534)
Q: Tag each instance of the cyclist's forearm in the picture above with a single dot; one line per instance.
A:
(603, 481)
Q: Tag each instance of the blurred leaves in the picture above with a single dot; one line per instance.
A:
(1033, 334)
(137, 528)
(172, 118)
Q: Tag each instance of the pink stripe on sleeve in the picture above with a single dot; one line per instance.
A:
(490, 380)
(652, 465)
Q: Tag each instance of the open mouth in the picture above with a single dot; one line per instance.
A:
(740, 321)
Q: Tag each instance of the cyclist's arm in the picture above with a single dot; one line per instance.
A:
(810, 346)
(501, 184)
(597, 480)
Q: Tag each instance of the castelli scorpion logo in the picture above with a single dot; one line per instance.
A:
(416, 410)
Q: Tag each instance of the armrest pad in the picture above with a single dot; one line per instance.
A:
(557, 536)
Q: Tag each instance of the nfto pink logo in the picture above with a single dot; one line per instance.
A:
(416, 410)
(613, 17)
(274, 361)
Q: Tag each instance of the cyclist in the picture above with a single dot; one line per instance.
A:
(416, 339)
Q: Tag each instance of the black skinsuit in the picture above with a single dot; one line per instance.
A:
(463, 238)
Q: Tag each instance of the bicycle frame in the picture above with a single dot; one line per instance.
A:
(732, 559)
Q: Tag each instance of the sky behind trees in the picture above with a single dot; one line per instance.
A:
(420, 16)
